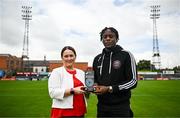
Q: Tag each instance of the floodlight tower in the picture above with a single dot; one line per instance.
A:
(26, 16)
(156, 61)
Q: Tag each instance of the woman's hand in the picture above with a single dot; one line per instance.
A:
(78, 90)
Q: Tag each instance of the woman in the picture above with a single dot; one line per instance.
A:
(65, 85)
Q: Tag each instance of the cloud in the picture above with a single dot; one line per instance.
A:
(56, 24)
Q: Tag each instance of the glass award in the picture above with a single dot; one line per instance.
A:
(89, 81)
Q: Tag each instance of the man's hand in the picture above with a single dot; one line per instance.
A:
(101, 89)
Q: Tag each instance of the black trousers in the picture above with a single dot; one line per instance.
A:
(116, 112)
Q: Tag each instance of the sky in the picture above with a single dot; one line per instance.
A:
(77, 23)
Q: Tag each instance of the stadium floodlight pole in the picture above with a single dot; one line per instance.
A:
(156, 61)
(26, 16)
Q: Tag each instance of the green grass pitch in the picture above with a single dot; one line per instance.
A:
(31, 99)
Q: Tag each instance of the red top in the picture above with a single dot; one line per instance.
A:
(79, 107)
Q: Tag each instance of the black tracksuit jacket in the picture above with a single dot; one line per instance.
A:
(117, 68)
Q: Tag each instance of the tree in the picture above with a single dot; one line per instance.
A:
(176, 69)
(144, 65)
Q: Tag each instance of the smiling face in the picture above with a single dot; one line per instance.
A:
(68, 58)
(109, 38)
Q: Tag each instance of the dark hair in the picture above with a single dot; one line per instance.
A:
(69, 48)
(112, 30)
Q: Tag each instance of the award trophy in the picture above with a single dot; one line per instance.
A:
(89, 81)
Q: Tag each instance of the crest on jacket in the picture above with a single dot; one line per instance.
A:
(116, 64)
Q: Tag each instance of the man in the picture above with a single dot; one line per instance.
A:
(114, 75)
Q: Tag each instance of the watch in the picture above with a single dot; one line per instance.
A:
(72, 91)
(110, 89)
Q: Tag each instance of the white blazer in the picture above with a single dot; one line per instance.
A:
(60, 80)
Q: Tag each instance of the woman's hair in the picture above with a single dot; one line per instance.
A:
(112, 30)
(67, 48)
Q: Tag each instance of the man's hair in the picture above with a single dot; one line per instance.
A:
(112, 30)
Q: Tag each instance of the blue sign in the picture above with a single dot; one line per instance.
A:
(2, 73)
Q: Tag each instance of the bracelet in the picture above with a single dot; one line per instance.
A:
(72, 91)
